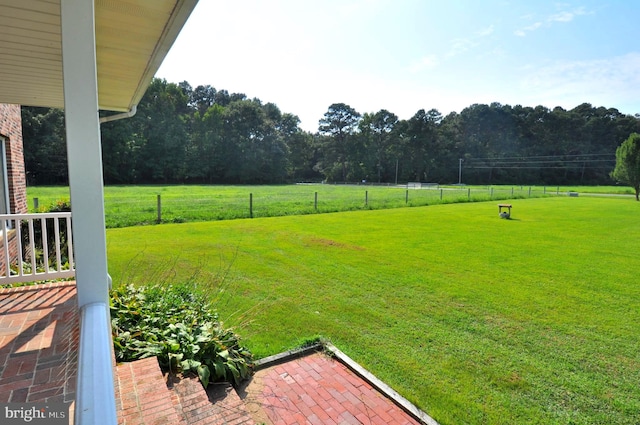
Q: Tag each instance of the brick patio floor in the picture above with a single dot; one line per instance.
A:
(38, 343)
(316, 390)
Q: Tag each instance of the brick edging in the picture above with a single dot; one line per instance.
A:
(37, 287)
(379, 385)
(288, 355)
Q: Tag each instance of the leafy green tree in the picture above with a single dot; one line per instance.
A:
(303, 156)
(161, 122)
(252, 147)
(627, 168)
(339, 125)
(272, 146)
(377, 129)
(45, 148)
(422, 145)
(205, 163)
(241, 125)
(203, 135)
(202, 97)
(120, 150)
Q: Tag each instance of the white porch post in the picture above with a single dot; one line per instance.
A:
(95, 402)
(84, 150)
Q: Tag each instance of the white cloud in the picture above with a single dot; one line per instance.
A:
(606, 82)
(522, 32)
(461, 45)
(424, 64)
(567, 16)
(562, 17)
(486, 31)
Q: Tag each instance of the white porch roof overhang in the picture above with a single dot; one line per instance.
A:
(132, 39)
(86, 55)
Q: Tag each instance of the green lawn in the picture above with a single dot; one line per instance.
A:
(477, 320)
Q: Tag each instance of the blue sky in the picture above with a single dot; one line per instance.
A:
(406, 55)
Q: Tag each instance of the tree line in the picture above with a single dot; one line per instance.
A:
(202, 135)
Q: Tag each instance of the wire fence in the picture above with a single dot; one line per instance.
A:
(134, 209)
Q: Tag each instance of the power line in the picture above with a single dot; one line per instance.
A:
(542, 156)
(573, 161)
(538, 168)
(541, 162)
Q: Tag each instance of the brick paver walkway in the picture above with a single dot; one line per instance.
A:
(38, 340)
(318, 390)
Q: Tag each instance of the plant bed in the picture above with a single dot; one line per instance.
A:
(178, 326)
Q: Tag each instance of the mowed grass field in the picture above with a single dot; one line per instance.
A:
(477, 320)
(138, 205)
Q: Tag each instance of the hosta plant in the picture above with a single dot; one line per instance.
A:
(178, 326)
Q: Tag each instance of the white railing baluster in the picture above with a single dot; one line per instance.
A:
(13, 235)
(7, 257)
(56, 229)
(32, 246)
(18, 226)
(45, 244)
(70, 243)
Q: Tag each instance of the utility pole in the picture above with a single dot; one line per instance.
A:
(396, 171)
(460, 171)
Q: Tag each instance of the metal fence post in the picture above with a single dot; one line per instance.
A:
(251, 205)
(315, 201)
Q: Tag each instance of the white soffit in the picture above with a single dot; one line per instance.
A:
(132, 39)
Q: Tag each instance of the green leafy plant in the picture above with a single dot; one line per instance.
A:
(176, 324)
(60, 205)
(311, 341)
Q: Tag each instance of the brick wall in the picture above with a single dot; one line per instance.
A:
(11, 131)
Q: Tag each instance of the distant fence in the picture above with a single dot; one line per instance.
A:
(256, 201)
(419, 185)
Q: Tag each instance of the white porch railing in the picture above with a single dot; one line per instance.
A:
(30, 253)
(95, 394)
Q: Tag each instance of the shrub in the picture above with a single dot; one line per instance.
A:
(61, 205)
(177, 325)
